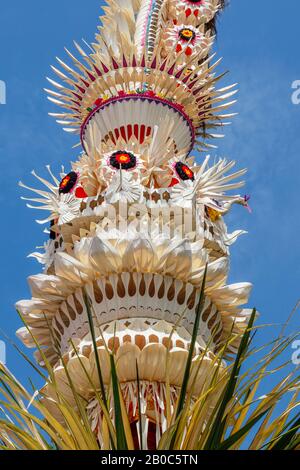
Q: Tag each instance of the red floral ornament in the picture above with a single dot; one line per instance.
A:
(68, 183)
(122, 160)
(187, 34)
(184, 172)
(98, 102)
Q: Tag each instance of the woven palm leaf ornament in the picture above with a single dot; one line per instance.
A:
(140, 99)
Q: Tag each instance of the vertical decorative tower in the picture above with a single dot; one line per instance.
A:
(136, 220)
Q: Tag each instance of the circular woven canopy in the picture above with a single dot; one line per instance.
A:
(136, 116)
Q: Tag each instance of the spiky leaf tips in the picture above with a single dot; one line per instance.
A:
(137, 224)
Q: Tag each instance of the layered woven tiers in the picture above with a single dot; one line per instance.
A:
(133, 278)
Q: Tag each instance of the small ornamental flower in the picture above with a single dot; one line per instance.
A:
(199, 11)
(68, 183)
(184, 172)
(187, 40)
(187, 34)
(98, 102)
(122, 160)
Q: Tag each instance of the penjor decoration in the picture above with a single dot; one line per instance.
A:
(136, 221)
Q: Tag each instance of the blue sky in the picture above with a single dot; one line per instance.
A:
(259, 43)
